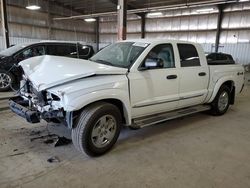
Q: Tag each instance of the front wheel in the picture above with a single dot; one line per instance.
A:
(97, 129)
(6, 79)
(221, 102)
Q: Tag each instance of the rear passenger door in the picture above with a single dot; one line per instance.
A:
(194, 75)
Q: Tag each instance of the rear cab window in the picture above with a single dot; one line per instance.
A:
(188, 55)
(222, 57)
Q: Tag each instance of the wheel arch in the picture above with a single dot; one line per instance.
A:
(116, 102)
(229, 83)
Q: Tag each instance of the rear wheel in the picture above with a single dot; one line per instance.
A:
(6, 79)
(97, 129)
(221, 102)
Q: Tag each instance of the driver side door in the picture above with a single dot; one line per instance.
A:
(155, 90)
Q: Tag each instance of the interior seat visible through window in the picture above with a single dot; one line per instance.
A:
(166, 57)
(165, 53)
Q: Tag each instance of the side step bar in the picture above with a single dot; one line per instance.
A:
(158, 118)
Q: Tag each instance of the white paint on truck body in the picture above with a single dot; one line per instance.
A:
(142, 92)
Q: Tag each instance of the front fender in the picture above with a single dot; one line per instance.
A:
(74, 104)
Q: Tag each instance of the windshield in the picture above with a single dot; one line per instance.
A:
(10, 51)
(122, 54)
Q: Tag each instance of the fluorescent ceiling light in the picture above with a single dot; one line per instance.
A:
(243, 0)
(154, 14)
(33, 7)
(205, 10)
(89, 19)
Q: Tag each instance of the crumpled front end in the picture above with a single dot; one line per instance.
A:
(35, 105)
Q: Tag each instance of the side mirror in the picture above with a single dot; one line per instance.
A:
(153, 63)
(85, 50)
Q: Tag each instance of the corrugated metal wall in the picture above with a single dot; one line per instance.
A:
(182, 24)
(240, 52)
(27, 26)
(189, 25)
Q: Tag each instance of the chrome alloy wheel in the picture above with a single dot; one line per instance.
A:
(104, 131)
(5, 80)
(223, 101)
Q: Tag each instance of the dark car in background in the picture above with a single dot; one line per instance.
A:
(219, 59)
(10, 75)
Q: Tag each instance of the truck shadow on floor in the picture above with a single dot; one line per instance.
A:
(172, 128)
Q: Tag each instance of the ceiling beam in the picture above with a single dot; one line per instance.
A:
(69, 7)
(139, 11)
(129, 6)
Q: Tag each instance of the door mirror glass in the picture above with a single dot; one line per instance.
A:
(153, 63)
(84, 50)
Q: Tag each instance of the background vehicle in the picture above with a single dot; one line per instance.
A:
(219, 59)
(131, 83)
(15, 54)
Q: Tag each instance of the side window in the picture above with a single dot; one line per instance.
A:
(31, 52)
(51, 50)
(62, 50)
(188, 55)
(72, 51)
(165, 53)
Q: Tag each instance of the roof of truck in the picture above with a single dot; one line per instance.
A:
(156, 41)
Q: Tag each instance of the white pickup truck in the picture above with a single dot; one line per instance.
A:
(132, 83)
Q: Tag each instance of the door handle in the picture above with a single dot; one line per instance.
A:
(202, 74)
(169, 77)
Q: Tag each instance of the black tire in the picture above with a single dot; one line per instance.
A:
(88, 119)
(216, 110)
(3, 75)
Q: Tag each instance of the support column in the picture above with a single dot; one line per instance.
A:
(143, 22)
(97, 33)
(218, 31)
(122, 19)
(5, 24)
(49, 21)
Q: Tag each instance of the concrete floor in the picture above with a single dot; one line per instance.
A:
(5, 95)
(197, 151)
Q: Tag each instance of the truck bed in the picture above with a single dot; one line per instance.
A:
(234, 73)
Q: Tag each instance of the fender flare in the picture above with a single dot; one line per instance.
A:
(217, 86)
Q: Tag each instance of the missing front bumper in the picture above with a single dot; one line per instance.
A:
(21, 107)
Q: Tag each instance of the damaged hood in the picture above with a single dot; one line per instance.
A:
(48, 71)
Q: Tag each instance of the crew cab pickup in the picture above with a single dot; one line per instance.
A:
(132, 83)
